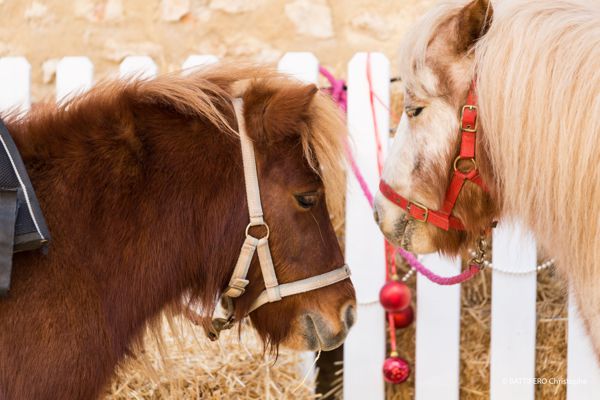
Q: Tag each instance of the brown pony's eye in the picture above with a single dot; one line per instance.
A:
(413, 111)
(307, 200)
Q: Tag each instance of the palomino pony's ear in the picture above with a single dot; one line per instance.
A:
(276, 113)
(474, 20)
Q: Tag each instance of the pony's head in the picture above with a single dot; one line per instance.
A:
(437, 69)
(175, 148)
(297, 137)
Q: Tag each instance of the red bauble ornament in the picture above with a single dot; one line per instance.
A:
(394, 296)
(403, 318)
(395, 370)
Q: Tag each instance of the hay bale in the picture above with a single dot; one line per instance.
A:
(182, 364)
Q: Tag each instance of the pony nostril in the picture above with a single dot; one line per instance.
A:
(349, 315)
(376, 216)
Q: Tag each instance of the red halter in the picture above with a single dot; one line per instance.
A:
(443, 218)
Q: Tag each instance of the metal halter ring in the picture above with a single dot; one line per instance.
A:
(459, 158)
(251, 224)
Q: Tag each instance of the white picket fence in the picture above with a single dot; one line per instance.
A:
(437, 366)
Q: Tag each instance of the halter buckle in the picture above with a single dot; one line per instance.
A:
(422, 207)
(468, 128)
(236, 287)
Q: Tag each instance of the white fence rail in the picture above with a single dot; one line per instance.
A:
(512, 347)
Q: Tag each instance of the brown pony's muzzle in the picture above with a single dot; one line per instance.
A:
(325, 333)
(325, 320)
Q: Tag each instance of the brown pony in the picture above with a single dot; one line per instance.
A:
(143, 190)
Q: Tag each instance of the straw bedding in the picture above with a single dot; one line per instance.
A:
(185, 365)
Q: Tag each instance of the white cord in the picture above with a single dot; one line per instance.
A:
(488, 264)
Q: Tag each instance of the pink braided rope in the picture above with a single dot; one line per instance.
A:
(440, 280)
(337, 91)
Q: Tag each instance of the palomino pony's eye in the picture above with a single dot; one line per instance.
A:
(307, 200)
(413, 111)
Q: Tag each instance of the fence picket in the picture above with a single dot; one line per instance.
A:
(583, 372)
(74, 75)
(438, 333)
(512, 349)
(301, 65)
(196, 61)
(142, 67)
(364, 350)
(15, 80)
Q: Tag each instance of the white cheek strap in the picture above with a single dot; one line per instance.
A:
(238, 282)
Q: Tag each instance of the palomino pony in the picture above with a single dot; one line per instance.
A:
(142, 185)
(509, 94)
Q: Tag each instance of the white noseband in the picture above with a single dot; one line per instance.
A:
(238, 282)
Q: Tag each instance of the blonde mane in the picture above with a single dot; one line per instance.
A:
(539, 92)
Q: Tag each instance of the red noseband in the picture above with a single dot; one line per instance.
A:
(443, 218)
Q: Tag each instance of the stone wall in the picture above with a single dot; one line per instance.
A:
(170, 30)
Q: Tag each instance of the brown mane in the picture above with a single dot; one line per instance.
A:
(205, 94)
(133, 178)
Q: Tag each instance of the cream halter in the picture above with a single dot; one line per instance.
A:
(238, 282)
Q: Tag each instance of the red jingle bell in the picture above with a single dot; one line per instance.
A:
(394, 296)
(403, 318)
(395, 370)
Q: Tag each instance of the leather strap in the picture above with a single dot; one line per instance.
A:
(268, 271)
(238, 282)
(305, 285)
(274, 291)
(8, 217)
(468, 143)
(249, 162)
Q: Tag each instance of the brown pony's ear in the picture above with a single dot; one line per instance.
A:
(474, 20)
(274, 113)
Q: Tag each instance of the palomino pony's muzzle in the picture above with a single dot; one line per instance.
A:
(274, 291)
